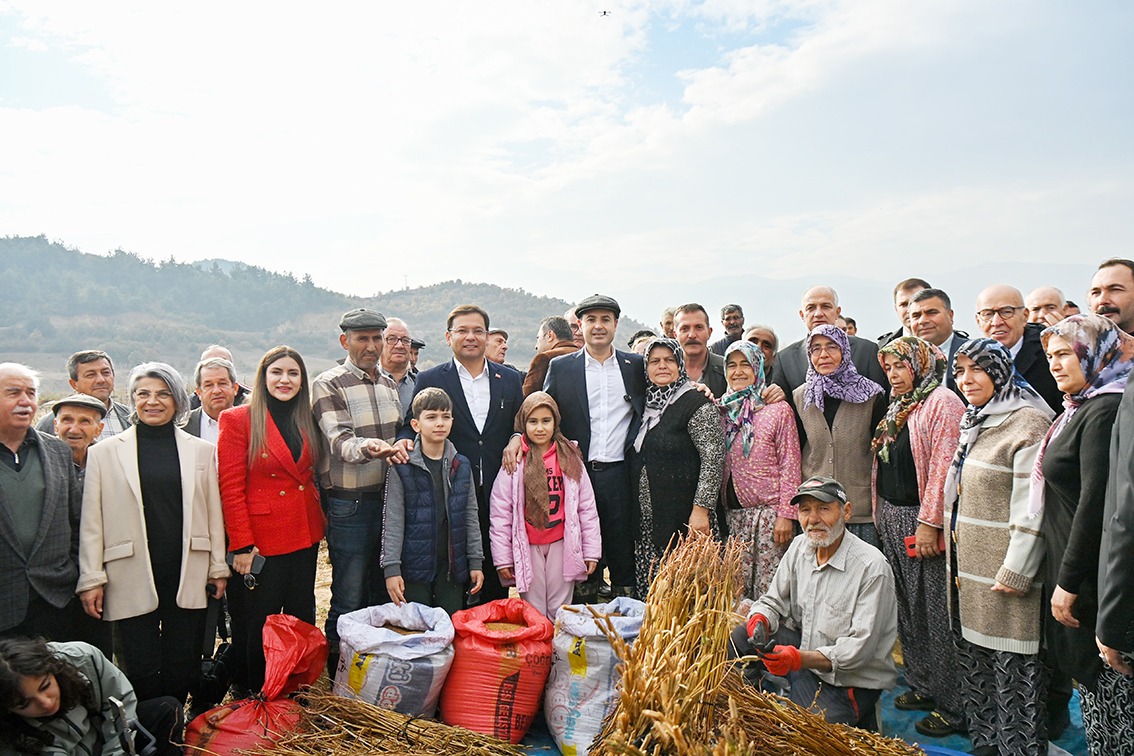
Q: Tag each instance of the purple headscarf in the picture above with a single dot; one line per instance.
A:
(846, 383)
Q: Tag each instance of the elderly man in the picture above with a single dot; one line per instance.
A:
(395, 359)
(78, 422)
(576, 327)
(732, 318)
(496, 348)
(92, 373)
(1112, 292)
(903, 295)
(829, 619)
(1001, 315)
(665, 325)
(216, 387)
(218, 351)
(486, 397)
(358, 411)
(820, 305)
(1045, 305)
(40, 501)
(931, 317)
(554, 339)
(691, 324)
(765, 337)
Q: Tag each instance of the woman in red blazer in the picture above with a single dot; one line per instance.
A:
(267, 452)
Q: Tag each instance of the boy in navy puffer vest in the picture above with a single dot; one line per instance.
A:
(431, 545)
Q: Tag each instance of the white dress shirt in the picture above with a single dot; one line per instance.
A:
(210, 428)
(478, 393)
(610, 409)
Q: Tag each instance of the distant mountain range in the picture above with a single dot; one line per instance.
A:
(60, 300)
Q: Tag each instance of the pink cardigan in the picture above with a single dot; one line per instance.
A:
(769, 475)
(935, 430)
(508, 535)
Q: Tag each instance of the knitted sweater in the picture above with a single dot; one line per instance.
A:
(993, 539)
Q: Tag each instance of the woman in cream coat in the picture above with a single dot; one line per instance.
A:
(151, 540)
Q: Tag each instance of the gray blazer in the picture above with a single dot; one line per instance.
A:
(52, 568)
(193, 424)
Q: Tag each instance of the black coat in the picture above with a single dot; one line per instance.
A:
(567, 383)
(1075, 469)
(1031, 363)
(1116, 556)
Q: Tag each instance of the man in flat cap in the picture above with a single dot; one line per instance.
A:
(601, 393)
(78, 422)
(829, 619)
(91, 372)
(415, 347)
(358, 410)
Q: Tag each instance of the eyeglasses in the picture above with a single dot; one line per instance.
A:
(392, 340)
(146, 394)
(480, 333)
(985, 316)
(823, 349)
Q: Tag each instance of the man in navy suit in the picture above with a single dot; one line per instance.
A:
(931, 319)
(486, 397)
(601, 393)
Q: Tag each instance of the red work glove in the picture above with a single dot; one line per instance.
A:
(782, 659)
(759, 629)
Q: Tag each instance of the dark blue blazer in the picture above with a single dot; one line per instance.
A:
(567, 383)
(484, 450)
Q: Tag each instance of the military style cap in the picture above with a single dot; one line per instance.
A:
(821, 488)
(362, 319)
(598, 302)
(80, 400)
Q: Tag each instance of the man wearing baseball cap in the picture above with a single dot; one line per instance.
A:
(829, 619)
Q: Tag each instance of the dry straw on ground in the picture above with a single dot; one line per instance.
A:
(680, 696)
(333, 724)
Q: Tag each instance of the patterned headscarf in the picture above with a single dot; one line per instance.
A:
(845, 383)
(927, 364)
(1010, 393)
(739, 406)
(660, 397)
(1106, 356)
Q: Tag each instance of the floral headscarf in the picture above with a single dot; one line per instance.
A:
(1010, 393)
(845, 383)
(927, 364)
(738, 407)
(537, 499)
(660, 397)
(1106, 356)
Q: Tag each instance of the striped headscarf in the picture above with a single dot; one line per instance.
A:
(845, 383)
(739, 406)
(927, 365)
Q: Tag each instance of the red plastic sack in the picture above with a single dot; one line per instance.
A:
(496, 682)
(294, 655)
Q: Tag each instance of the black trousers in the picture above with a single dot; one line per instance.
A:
(160, 652)
(163, 718)
(286, 583)
(614, 499)
(43, 620)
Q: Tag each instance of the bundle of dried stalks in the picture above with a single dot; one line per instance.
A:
(333, 724)
(679, 695)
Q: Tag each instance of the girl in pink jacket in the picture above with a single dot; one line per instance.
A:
(544, 528)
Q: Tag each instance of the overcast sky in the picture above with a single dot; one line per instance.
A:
(546, 146)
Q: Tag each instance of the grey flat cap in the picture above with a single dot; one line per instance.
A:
(362, 319)
(80, 400)
(598, 302)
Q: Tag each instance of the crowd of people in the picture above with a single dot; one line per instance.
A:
(970, 500)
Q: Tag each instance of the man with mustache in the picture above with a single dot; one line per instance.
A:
(829, 619)
(1112, 292)
(691, 324)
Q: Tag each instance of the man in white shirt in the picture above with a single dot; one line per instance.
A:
(601, 393)
(216, 386)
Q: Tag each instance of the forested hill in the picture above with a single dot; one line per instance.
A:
(59, 300)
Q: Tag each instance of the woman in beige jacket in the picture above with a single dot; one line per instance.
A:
(151, 539)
